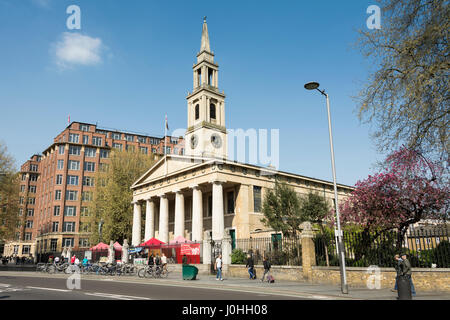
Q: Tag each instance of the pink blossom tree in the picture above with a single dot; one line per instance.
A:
(408, 189)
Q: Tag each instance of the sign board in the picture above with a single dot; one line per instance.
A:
(103, 259)
(190, 249)
(140, 261)
(135, 250)
(88, 255)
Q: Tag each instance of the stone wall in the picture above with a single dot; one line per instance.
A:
(423, 279)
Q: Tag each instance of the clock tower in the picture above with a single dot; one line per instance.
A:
(206, 135)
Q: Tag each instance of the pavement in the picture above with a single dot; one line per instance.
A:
(288, 289)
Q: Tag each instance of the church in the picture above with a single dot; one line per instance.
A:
(202, 194)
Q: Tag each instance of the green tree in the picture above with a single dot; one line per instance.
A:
(407, 94)
(9, 195)
(281, 209)
(315, 208)
(113, 196)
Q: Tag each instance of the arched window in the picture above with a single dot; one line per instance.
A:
(197, 112)
(212, 111)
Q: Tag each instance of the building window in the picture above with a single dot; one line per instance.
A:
(116, 136)
(230, 202)
(56, 210)
(24, 176)
(60, 164)
(69, 227)
(74, 150)
(28, 236)
(129, 148)
(32, 189)
(70, 211)
(83, 243)
(57, 194)
(103, 167)
(168, 150)
(31, 200)
(175, 150)
(74, 165)
(117, 146)
(89, 166)
(97, 141)
(141, 139)
(29, 224)
(22, 188)
(256, 199)
(74, 138)
(59, 179)
(53, 244)
(61, 149)
(90, 152)
(84, 212)
(26, 249)
(197, 112)
(153, 150)
(21, 200)
(84, 127)
(85, 227)
(55, 226)
(104, 154)
(86, 196)
(68, 242)
(143, 150)
(88, 181)
(30, 212)
(72, 180)
(129, 138)
(71, 195)
(20, 213)
(212, 111)
(33, 177)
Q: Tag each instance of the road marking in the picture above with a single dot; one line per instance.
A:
(50, 289)
(116, 296)
(4, 285)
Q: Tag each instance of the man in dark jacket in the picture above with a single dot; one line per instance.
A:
(250, 265)
(397, 268)
(266, 268)
(405, 269)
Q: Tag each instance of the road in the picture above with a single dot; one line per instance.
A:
(18, 287)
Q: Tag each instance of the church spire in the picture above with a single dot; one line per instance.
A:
(205, 37)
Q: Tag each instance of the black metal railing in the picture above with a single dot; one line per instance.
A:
(284, 251)
(426, 246)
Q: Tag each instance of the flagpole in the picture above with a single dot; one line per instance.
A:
(165, 144)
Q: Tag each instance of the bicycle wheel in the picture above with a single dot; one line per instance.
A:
(141, 273)
(51, 269)
(164, 273)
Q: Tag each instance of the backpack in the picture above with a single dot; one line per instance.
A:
(270, 279)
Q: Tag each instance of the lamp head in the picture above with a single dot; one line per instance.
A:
(312, 85)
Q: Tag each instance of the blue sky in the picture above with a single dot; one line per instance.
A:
(138, 66)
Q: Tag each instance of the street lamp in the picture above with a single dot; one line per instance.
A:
(344, 286)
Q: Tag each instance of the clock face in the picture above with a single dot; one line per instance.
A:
(216, 141)
(194, 141)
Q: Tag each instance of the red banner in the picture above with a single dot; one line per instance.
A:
(190, 249)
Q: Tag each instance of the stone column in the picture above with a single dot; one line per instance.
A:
(179, 214)
(125, 255)
(149, 220)
(197, 214)
(226, 252)
(164, 219)
(308, 251)
(206, 248)
(218, 223)
(136, 231)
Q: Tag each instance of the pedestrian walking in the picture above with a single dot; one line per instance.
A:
(397, 268)
(56, 260)
(406, 271)
(72, 260)
(184, 260)
(267, 266)
(164, 261)
(218, 268)
(250, 267)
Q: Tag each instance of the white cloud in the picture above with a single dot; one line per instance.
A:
(76, 49)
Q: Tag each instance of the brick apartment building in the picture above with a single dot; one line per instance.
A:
(56, 187)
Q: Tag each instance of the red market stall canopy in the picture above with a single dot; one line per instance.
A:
(179, 240)
(100, 246)
(151, 243)
(117, 246)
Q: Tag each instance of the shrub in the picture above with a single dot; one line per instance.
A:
(238, 257)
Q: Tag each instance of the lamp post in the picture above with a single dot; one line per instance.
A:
(344, 286)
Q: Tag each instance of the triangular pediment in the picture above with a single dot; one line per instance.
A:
(169, 165)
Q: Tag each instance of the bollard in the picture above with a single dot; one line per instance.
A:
(404, 288)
